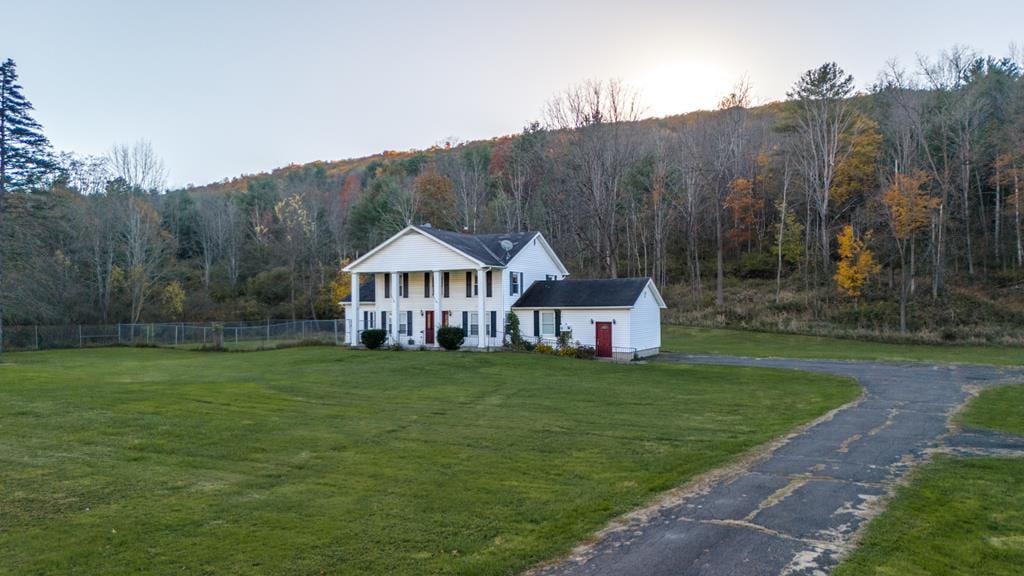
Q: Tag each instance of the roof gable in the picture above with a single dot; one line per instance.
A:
(486, 248)
(476, 250)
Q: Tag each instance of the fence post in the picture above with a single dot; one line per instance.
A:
(335, 331)
(37, 335)
(80, 341)
(268, 331)
(236, 334)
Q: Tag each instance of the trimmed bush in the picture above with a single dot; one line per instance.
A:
(373, 339)
(584, 352)
(451, 337)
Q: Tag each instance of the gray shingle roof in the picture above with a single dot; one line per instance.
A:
(367, 292)
(484, 247)
(582, 293)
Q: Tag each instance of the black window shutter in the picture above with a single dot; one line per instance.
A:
(469, 284)
(522, 286)
(494, 323)
(405, 285)
(536, 323)
(558, 322)
(510, 275)
(427, 277)
(446, 283)
(383, 319)
(365, 321)
(489, 275)
(387, 285)
(465, 322)
(408, 321)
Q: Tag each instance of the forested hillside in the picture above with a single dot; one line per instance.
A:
(893, 211)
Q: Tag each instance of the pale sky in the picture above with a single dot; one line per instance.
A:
(232, 87)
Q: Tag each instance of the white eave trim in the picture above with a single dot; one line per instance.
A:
(402, 232)
(657, 294)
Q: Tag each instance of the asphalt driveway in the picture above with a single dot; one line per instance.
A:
(796, 510)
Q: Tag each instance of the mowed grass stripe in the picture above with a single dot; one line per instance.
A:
(691, 340)
(323, 459)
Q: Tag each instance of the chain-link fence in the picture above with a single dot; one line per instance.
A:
(264, 334)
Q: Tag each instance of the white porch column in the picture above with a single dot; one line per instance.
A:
(394, 308)
(353, 339)
(481, 283)
(436, 290)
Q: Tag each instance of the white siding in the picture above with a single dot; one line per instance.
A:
(645, 326)
(455, 305)
(578, 320)
(414, 251)
(535, 263)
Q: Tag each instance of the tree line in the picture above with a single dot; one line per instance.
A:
(893, 193)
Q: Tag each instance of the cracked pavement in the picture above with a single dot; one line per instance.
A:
(795, 511)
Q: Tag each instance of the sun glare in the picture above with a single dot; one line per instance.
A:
(683, 86)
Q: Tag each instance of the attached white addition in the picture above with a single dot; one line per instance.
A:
(423, 278)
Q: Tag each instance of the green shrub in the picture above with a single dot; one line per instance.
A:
(567, 351)
(564, 338)
(451, 337)
(584, 352)
(513, 336)
(373, 339)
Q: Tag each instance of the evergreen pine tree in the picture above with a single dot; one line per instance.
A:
(25, 156)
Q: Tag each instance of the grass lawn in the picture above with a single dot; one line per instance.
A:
(959, 516)
(962, 517)
(322, 459)
(691, 340)
(1000, 409)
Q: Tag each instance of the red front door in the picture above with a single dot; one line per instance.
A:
(604, 339)
(428, 326)
(444, 318)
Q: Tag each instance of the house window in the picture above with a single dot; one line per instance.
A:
(387, 285)
(513, 283)
(551, 277)
(403, 285)
(403, 328)
(547, 323)
(427, 281)
(476, 284)
(474, 324)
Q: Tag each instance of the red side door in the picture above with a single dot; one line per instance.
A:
(604, 339)
(428, 326)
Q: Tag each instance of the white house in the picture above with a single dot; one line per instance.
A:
(620, 317)
(423, 278)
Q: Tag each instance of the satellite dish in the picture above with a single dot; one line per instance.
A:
(507, 245)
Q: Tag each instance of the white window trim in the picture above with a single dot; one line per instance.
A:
(514, 281)
(543, 323)
(403, 328)
(474, 324)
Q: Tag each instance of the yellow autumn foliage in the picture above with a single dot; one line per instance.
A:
(856, 263)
